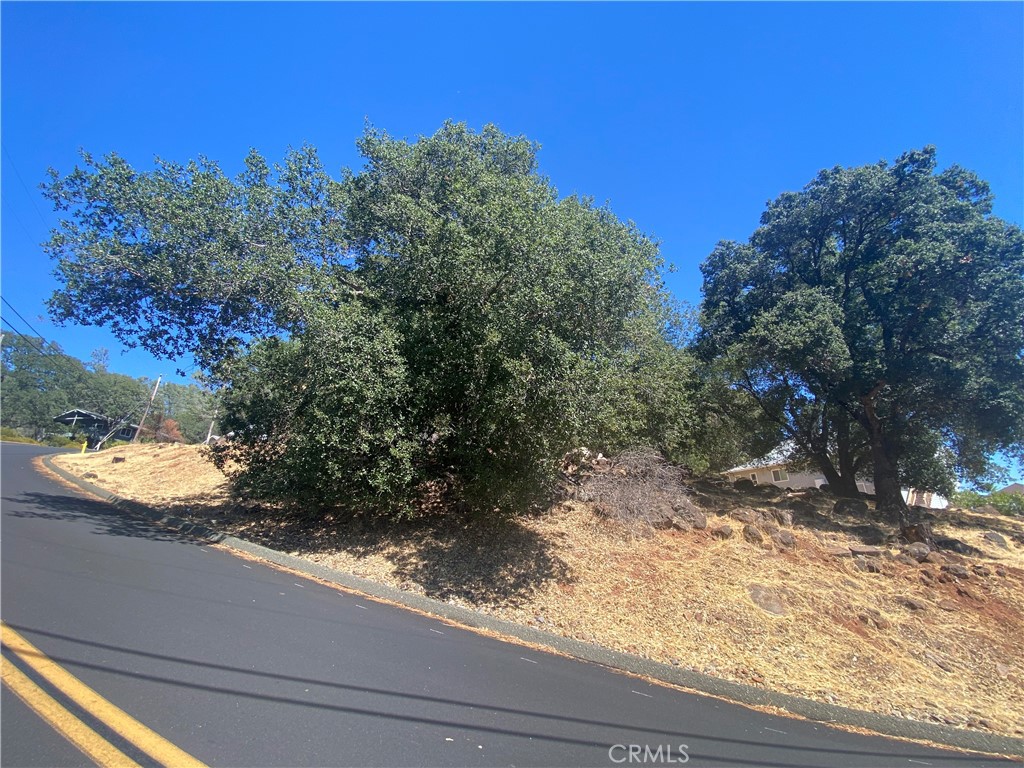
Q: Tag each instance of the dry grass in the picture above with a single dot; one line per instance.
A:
(844, 635)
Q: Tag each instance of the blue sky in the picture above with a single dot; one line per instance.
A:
(687, 118)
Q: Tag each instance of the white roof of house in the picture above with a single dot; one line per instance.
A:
(779, 456)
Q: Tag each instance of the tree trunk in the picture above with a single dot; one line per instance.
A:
(888, 493)
(837, 483)
(844, 453)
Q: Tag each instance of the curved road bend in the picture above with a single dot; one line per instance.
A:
(237, 664)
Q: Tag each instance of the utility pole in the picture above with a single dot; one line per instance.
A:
(209, 433)
(148, 406)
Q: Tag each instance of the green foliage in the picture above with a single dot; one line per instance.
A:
(184, 259)
(875, 317)
(504, 298)
(323, 418)
(62, 441)
(192, 407)
(655, 393)
(1005, 503)
(38, 387)
(9, 435)
(438, 318)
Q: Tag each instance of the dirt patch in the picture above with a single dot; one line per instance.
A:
(840, 629)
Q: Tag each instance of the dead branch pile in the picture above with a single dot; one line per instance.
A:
(636, 487)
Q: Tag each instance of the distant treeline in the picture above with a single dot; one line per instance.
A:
(41, 382)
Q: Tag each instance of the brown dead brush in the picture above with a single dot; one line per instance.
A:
(638, 488)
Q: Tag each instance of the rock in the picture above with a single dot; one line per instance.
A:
(660, 516)
(948, 605)
(919, 551)
(867, 566)
(871, 535)
(927, 576)
(784, 540)
(782, 516)
(982, 570)
(746, 515)
(935, 558)
(994, 538)
(838, 551)
(866, 551)
(769, 529)
(744, 484)
(722, 532)
(955, 545)
(698, 520)
(767, 599)
(754, 536)
(957, 571)
(1001, 669)
(906, 559)
(1001, 572)
(681, 524)
(912, 603)
(986, 509)
(118, 459)
(801, 507)
(919, 532)
(854, 507)
(90, 476)
(690, 519)
(965, 592)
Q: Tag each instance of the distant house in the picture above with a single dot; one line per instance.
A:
(775, 469)
(96, 426)
(1012, 488)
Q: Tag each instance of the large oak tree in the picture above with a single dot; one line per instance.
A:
(878, 317)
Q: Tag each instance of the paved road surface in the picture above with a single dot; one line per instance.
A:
(238, 664)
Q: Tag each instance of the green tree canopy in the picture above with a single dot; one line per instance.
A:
(877, 316)
(41, 382)
(476, 322)
(192, 407)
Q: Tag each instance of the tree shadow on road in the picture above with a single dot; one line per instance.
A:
(104, 517)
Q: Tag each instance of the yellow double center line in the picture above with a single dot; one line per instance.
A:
(98, 749)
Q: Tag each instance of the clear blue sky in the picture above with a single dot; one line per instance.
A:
(687, 118)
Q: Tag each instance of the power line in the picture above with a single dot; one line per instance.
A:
(25, 187)
(26, 338)
(17, 218)
(26, 322)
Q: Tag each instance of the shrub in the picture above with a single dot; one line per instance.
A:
(319, 419)
(1004, 503)
(10, 435)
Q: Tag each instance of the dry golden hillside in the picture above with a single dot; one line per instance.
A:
(939, 640)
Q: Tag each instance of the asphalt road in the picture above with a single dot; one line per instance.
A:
(239, 664)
